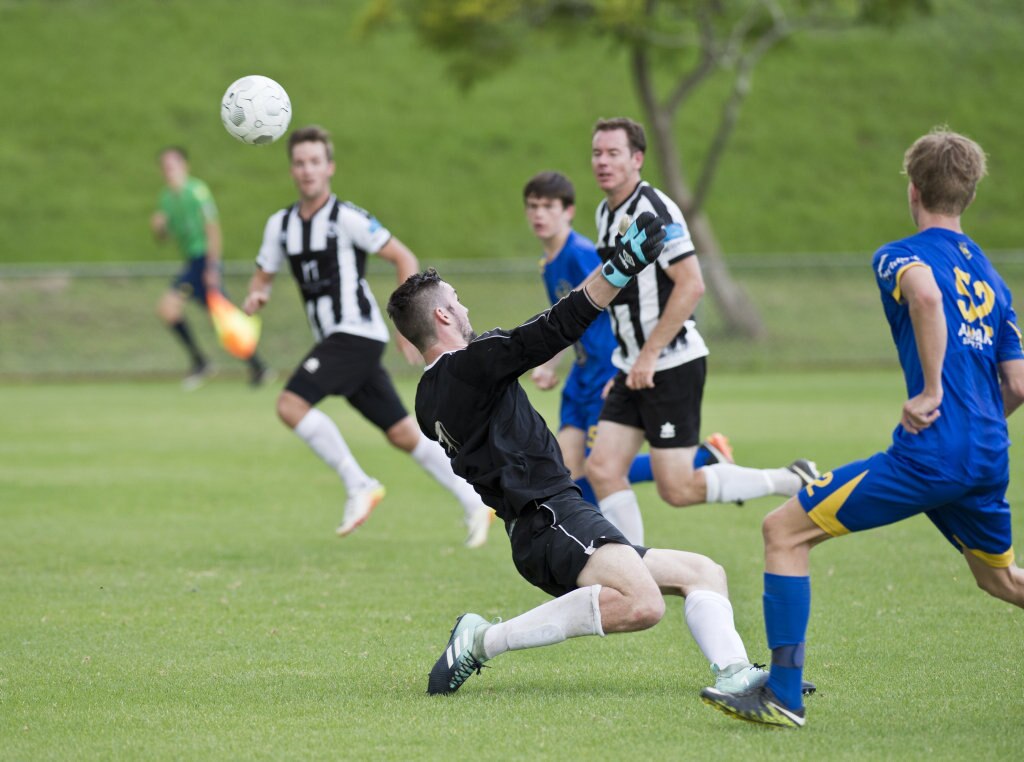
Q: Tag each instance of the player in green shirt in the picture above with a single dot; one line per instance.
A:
(188, 213)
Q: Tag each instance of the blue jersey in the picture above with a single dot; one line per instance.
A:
(969, 439)
(570, 267)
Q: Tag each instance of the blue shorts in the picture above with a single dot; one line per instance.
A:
(884, 489)
(581, 413)
(189, 282)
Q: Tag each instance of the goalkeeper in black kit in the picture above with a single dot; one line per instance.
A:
(469, 399)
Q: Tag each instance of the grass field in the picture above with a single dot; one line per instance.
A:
(172, 589)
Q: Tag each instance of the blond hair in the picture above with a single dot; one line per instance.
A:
(945, 167)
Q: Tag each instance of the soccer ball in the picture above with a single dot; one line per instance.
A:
(256, 110)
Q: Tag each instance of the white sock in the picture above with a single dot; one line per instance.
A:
(727, 483)
(431, 456)
(321, 434)
(709, 616)
(622, 509)
(569, 616)
(784, 481)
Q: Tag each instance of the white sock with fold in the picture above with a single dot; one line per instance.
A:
(709, 616)
(569, 616)
(623, 510)
(431, 456)
(318, 431)
(727, 483)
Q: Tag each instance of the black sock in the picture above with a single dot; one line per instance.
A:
(256, 364)
(185, 335)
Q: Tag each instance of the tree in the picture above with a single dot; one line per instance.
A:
(674, 48)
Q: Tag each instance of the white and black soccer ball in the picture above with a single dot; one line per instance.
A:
(256, 110)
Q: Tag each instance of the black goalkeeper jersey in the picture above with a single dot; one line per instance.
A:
(470, 401)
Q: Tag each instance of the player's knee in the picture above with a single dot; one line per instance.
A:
(774, 531)
(290, 409)
(598, 471)
(680, 492)
(647, 611)
(708, 573)
(999, 586)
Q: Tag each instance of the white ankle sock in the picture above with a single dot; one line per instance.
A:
(318, 431)
(569, 616)
(623, 510)
(431, 456)
(709, 616)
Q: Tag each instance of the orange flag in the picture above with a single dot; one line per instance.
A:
(238, 333)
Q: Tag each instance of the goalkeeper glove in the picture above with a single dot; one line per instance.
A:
(635, 249)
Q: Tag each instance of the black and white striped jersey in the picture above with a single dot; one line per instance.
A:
(327, 255)
(639, 305)
(470, 400)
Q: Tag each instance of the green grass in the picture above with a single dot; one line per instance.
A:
(172, 589)
(98, 86)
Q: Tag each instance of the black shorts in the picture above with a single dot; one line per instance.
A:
(191, 282)
(552, 540)
(349, 366)
(669, 414)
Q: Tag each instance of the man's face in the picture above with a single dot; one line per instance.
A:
(616, 167)
(549, 218)
(174, 168)
(311, 169)
(458, 311)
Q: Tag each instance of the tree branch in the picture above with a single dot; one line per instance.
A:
(731, 108)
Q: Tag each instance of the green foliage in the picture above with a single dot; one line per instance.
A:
(172, 589)
(97, 87)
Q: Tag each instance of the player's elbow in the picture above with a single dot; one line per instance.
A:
(695, 289)
(1013, 392)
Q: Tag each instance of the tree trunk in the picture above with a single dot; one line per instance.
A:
(739, 314)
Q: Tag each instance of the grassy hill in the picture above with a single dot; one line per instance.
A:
(95, 88)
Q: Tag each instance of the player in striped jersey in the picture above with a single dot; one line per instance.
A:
(189, 214)
(660, 357)
(569, 258)
(956, 334)
(325, 243)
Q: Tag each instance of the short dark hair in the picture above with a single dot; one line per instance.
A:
(178, 150)
(311, 134)
(411, 304)
(634, 131)
(550, 185)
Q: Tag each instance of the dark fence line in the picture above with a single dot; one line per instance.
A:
(738, 263)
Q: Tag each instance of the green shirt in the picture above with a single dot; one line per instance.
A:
(187, 214)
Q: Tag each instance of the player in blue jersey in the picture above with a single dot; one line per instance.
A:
(569, 258)
(956, 334)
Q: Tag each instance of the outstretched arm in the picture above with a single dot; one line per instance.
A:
(502, 354)
(924, 301)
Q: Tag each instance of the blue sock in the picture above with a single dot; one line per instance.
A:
(787, 608)
(587, 490)
(641, 471)
(701, 457)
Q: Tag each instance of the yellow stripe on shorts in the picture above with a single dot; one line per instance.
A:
(824, 513)
(995, 560)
